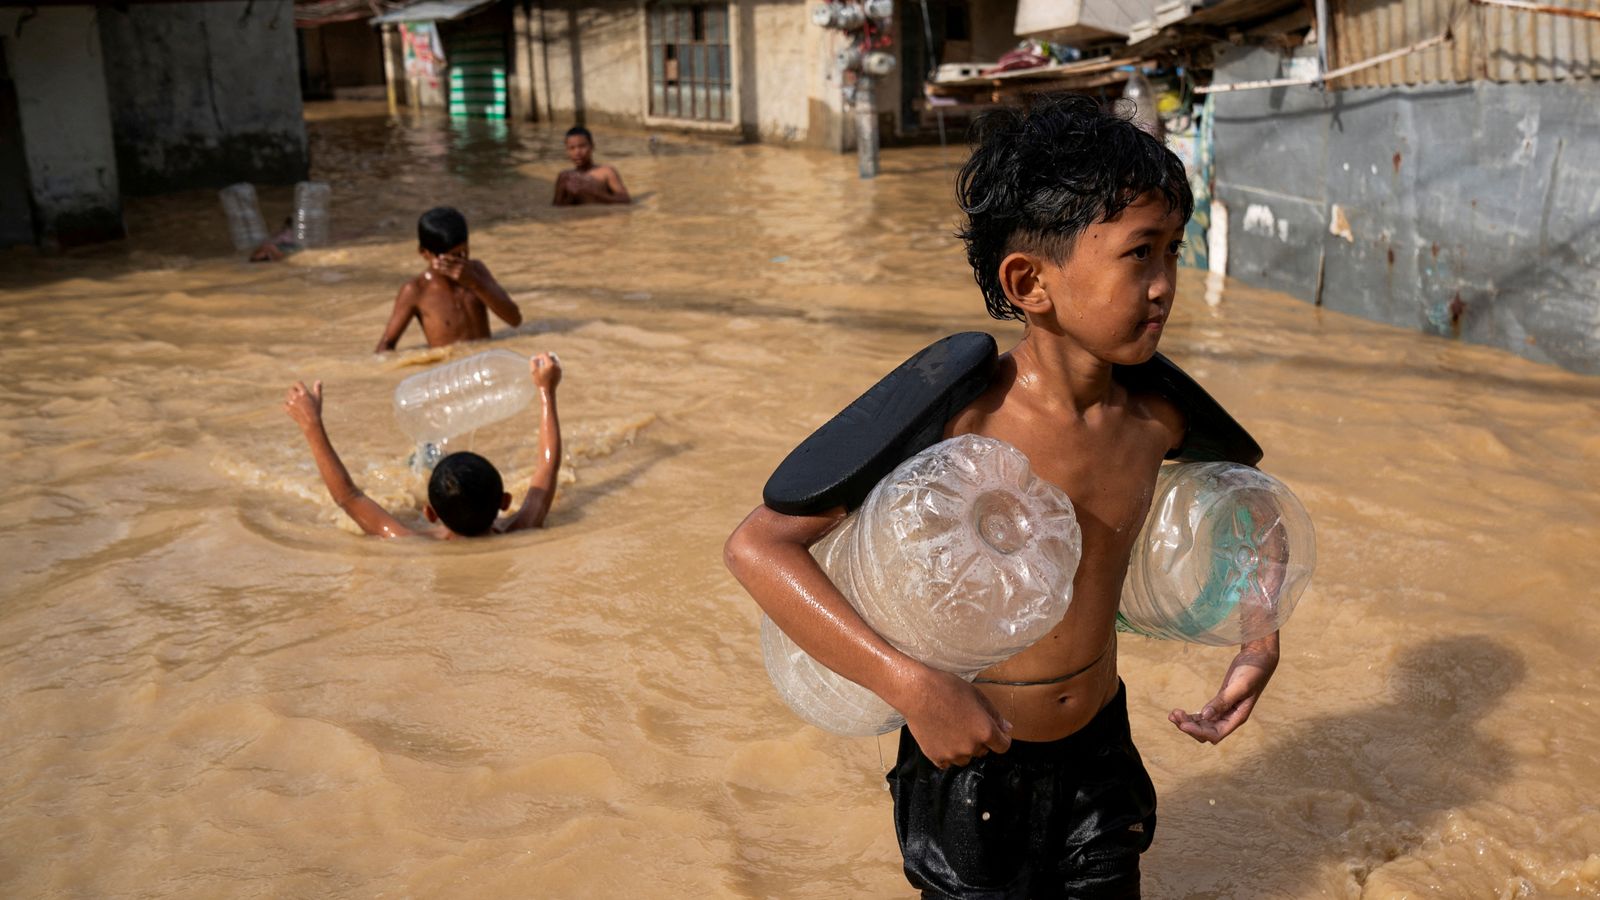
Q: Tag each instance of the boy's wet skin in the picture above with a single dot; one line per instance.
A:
(1053, 398)
(587, 182)
(453, 296)
(464, 503)
(1110, 297)
(451, 299)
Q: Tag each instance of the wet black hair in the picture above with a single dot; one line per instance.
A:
(441, 229)
(579, 130)
(465, 491)
(1039, 175)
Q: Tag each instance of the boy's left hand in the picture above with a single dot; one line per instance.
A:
(1246, 678)
(304, 405)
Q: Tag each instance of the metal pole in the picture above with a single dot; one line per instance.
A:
(1322, 40)
(866, 127)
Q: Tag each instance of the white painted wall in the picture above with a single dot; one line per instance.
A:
(56, 63)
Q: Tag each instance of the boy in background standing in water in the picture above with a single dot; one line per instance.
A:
(454, 294)
(1026, 783)
(586, 182)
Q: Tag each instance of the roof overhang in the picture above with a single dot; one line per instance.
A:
(432, 11)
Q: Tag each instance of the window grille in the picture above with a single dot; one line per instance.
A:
(690, 62)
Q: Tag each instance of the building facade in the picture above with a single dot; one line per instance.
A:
(750, 69)
(98, 101)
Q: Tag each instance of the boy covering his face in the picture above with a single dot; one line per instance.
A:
(453, 296)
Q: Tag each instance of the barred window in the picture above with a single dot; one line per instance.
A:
(690, 62)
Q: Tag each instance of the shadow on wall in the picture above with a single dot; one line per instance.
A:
(1364, 788)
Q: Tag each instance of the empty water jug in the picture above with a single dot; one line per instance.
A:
(1223, 557)
(311, 213)
(461, 396)
(245, 225)
(960, 558)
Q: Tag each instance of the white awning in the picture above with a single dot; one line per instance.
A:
(432, 11)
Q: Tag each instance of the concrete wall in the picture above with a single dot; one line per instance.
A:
(55, 62)
(588, 61)
(1469, 210)
(340, 55)
(204, 94)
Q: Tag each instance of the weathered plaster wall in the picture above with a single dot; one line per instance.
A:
(592, 58)
(589, 55)
(55, 59)
(1469, 210)
(204, 94)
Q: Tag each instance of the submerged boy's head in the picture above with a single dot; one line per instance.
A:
(466, 493)
(441, 230)
(580, 145)
(1040, 176)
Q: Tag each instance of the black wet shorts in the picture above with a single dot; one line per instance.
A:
(1066, 818)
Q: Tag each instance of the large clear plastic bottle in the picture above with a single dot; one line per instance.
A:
(960, 558)
(311, 213)
(1223, 557)
(245, 225)
(460, 396)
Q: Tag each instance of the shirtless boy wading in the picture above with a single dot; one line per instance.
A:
(1026, 783)
(453, 296)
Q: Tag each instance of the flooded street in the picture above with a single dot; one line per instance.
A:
(211, 685)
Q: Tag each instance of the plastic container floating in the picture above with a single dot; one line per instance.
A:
(1223, 557)
(960, 558)
(311, 213)
(458, 397)
(245, 225)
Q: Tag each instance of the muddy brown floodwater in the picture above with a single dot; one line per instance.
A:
(211, 686)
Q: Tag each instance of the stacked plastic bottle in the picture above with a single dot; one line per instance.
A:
(1223, 557)
(311, 213)
(245, 225)
(461, 396)
(960, 558)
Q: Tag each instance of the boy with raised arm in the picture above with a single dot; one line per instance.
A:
(465, 493)
(1026, 783)
(587, 182)
(453, 296)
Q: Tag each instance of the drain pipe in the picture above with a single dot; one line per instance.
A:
(1323, 39)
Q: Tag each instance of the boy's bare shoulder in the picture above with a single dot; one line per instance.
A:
(1161, 412)
(414, 284)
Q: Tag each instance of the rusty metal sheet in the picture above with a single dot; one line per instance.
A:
(1491, 42)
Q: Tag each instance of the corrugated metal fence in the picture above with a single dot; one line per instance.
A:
(1488, 42)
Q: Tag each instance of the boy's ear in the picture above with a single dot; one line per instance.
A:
(427, 510)
(1020, 278)
(505, 501)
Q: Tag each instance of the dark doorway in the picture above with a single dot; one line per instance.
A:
(16, 197)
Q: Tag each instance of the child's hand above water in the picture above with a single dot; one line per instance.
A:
(546, 371)
(1246, 678)
(304, 405)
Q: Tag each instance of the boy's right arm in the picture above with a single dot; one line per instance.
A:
(768, 554)
(304, 406)
(405, 306)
